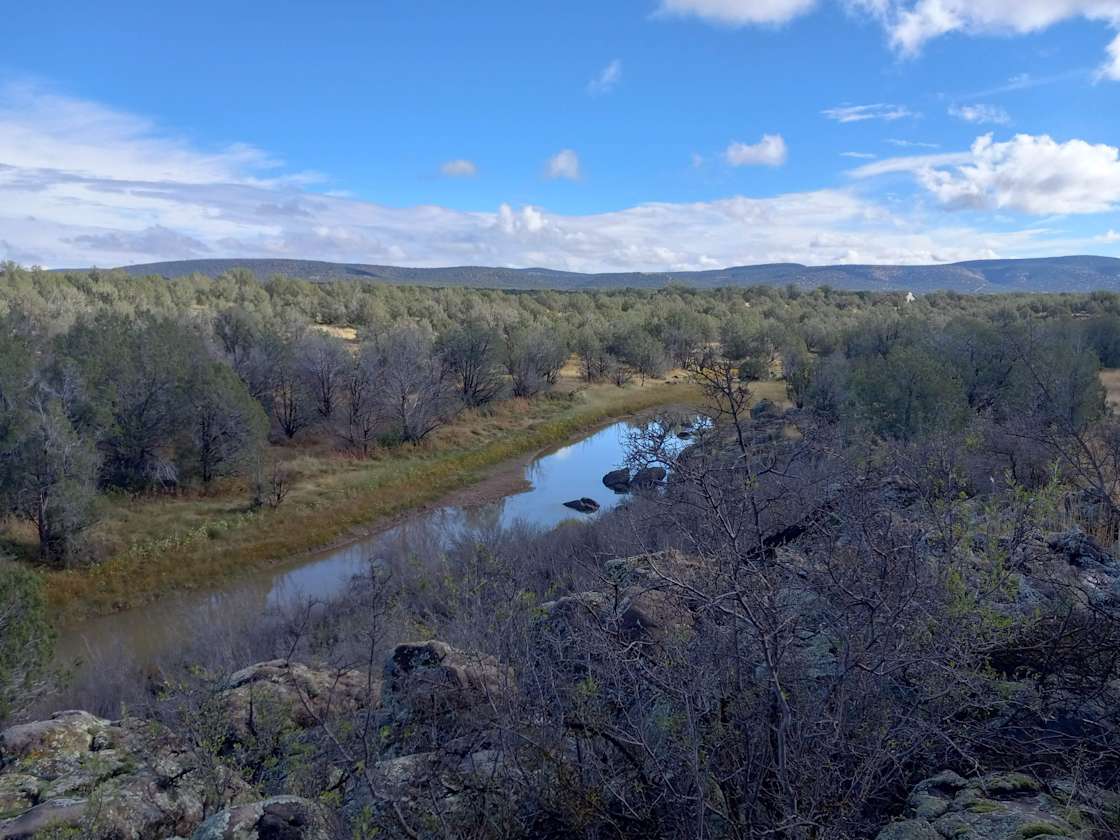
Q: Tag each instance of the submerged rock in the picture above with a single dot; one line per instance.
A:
(584, 505)
(618, 480)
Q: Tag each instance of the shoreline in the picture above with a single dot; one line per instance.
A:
(490, 471)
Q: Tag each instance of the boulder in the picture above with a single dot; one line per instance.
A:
(618, 480)
(433, 692)
(997, 806)
(584, 505)
(129, 779)
(278, 818)
(287, 694)
(649, 476)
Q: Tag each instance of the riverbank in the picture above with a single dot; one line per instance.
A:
(159, 546)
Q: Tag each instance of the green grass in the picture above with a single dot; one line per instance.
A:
(154, 546)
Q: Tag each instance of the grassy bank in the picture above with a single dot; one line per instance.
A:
(155, 546)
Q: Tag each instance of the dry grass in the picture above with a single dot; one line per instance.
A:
(155, 546)
(347, 334)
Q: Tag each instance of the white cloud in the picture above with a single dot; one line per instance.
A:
(1109, 237)
(1031, 174)
(910, 163)
(859, 155)
(911, 144)
(769, 151)
(607, 79)
(980, 114)
(1111, 67)
(564, 165)
(738, 12)
(140, 195)
(859, 113)
(910, 24)
(459, 168)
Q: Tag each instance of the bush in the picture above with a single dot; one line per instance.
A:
(26, 639)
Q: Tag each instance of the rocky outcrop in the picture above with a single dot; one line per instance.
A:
(288, 694)
(618, 480)
(584, 505)
(433, 692)
(278, 818)
(644, 607)
(1067, 565)
(128, 779)
(997, 806)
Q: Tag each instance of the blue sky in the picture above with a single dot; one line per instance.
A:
(639, 134)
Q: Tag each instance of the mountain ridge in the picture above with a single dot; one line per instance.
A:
(1076, 273)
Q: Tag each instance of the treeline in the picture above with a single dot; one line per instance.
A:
(113, 384)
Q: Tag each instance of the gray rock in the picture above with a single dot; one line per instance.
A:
(278, 818)
(618, 480)
(649, 476)
(584, 505)
(997, 806)
(123, 779)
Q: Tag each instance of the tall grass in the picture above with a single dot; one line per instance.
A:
(199, 541)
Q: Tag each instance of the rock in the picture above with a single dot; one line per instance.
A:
(618, 480)
(1080, 550)
(998, 806)
(433, 692)
(764, 410)
(584, 505)
(278, 818)
(909, 830)
(283, 694)
(684, 434)
(18, 792)
(123, 779)
(649, 476)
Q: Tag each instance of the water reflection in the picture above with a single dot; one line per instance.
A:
(571, 472)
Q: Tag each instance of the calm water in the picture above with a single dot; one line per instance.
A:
(571, 472)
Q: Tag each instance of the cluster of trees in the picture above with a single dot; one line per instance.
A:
(140, 384)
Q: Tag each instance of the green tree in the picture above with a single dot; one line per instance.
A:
(908, 393)
(226, 424)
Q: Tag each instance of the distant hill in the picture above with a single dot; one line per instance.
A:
(1050, 274)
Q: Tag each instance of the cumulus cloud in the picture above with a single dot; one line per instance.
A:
(140, 195)
(910, 24)
(769, 151)
(1031, 174)
(564, 165)
(607, 79)
(459, 168)
(738, 12)
(859, 113)
(980, 114)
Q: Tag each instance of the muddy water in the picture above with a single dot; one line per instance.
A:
(143, 634)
